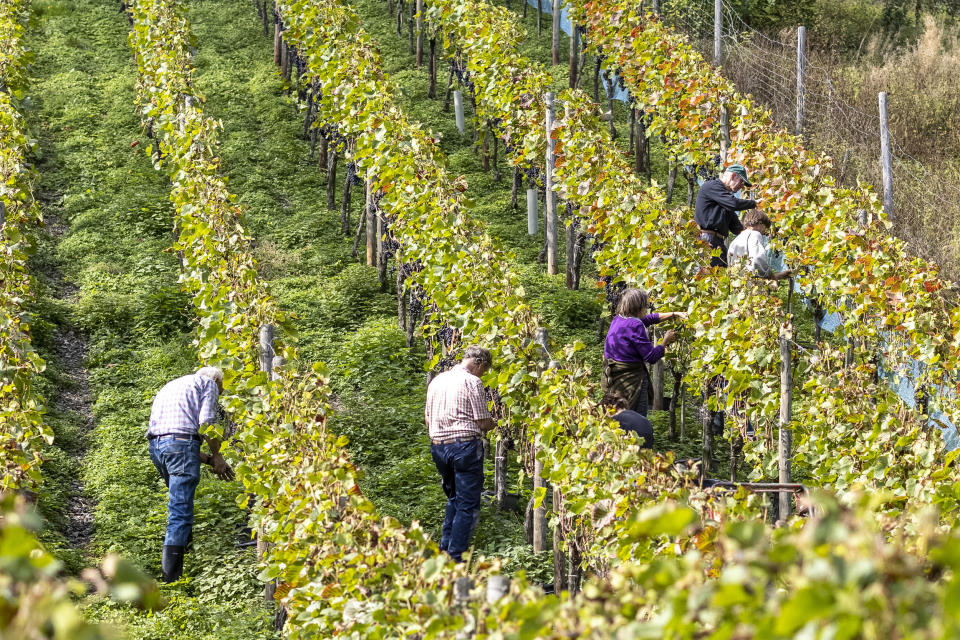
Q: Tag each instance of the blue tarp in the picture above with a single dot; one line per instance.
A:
(546, 6)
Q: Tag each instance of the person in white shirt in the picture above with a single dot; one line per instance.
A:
(748, 246)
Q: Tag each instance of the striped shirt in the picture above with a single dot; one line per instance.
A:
(183, 405)
(455, 401)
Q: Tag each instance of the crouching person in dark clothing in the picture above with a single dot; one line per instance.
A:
(457, 416)
(179, 410)
(630, 420)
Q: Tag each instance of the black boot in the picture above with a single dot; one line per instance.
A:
(171, 565)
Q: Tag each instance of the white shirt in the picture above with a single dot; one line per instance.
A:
(748, 245)
(183, 405)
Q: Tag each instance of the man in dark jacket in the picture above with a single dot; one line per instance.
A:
(716, 209)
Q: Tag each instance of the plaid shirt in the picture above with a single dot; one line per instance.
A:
(455, 401)
(182, 405)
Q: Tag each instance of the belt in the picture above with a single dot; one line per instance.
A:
(711, 232)
(452, 439)
(192, 436)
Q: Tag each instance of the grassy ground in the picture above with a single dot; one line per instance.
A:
(117, 218)
(117, 223)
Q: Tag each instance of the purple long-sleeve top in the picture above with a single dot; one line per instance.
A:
(628, 340)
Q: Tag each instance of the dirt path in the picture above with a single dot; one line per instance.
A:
(73, 398)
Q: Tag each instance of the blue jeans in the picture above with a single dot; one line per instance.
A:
(177, 458)
(461, 470)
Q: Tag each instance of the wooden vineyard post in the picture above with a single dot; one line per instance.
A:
(674, 403)
(381, 250)
(446, 95)
(371, 226)
(432, 69)
(724, 133)
(596, 78)
(347, 200)
(332, 177)
(786, 434)
(549, 197)
(717, 32)
(683, 412)
(656, 379)
(886, 158)
(559, 561)
(266, 365)
(497, 176)
(322, 155)
(419, 33)
(308, 118)
(539, 18)
(574, 55)
(500, 471)
(556, 32)
(410, 26)
(539, 513)
(572, 237)
(276, 35)
(573, 566)
(706, 422)
(801, 76)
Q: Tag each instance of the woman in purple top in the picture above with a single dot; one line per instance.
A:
(628, 348)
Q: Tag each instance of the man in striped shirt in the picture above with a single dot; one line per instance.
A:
(179, 410)
(457, 416)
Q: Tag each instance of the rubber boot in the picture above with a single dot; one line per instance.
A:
(171, 564)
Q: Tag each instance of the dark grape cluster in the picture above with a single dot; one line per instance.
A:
(463, 76)
(417, 299)
(613, 290)
(352, 174)
(709, 171)
(445, 335)
(410, 268)
(332, 134)
(533, 176)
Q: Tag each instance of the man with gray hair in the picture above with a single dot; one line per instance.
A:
(179, 410)
(716, 208)
(457, 416)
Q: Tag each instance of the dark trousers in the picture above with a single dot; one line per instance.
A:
(461, 471)
(716, 243)
(177, 458)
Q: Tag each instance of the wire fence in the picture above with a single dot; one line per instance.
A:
(840, 118)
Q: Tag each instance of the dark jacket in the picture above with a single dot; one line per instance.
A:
(716, 207)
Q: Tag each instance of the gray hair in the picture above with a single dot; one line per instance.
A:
(480, 356)
(634, 303)
(213, 373)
